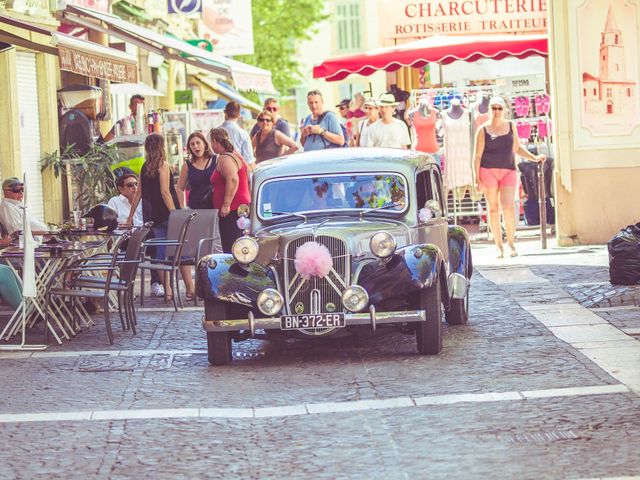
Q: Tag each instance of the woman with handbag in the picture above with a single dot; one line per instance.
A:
(196, 173)
(230, 181)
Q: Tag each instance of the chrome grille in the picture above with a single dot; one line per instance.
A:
(316, 293)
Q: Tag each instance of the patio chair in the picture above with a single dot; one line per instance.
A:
(202, 239)
(120, 273)
(177, 229)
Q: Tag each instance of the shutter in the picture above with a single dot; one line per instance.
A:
(29, 123)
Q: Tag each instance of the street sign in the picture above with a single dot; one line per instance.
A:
(183, 96)
(185, 6)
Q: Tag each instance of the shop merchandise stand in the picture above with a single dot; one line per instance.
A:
(535, 121)
(440, 98)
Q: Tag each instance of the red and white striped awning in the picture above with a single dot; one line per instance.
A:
(437, 49)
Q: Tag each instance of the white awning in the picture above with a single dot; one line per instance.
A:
(135, 88)
(244, 77)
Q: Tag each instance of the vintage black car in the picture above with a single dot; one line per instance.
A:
(340, 239)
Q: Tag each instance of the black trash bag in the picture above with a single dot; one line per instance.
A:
(624, 256)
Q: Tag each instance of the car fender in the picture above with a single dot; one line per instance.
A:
(408, 270)
(220, 277)
(460, 267)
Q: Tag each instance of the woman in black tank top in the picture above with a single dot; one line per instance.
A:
(159, 199)
(495, 170)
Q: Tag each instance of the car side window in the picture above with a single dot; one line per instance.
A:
(423, 188)
(436, 189)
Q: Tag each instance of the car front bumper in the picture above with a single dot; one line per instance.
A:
(371, 318)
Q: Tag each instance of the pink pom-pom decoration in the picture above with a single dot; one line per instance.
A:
(243, 223)
(313, 260)
(425, 214)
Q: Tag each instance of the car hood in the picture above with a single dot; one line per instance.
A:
(354, 232)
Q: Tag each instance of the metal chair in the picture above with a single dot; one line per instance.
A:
(202, 238)
(120, 277)
(177, 229)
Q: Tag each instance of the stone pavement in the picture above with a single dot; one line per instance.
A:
(536, 386)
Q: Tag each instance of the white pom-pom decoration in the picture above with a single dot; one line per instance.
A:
(313, 260)
(425, 214)
(243, 223)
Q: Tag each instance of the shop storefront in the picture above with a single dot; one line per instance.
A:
(32, 57)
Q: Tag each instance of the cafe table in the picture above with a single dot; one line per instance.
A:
(50, 259)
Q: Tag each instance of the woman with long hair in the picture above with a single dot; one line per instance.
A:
(268, 142)
(495, 171)
(196, 172)
(159, 199)
(230, 183)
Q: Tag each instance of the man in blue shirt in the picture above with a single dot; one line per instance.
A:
(321, 129)
(271, 104)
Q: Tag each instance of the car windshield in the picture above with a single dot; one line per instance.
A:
(332, 192)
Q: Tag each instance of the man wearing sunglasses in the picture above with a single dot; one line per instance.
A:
(11, 212)
(127, 183)
(271, 105)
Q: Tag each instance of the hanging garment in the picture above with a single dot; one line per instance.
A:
(543, 104)
(543, 130)
(457, 146)
(425, 128)
(480, 119)
(524, 130)
(522, 104)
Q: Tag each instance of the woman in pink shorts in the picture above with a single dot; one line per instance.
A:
(495, 169)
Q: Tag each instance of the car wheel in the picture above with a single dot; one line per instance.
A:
(219, 343)
(429, 333)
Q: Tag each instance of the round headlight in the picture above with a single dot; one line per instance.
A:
(382, 244)
(355, 298)
(270, 302)
(245, 250)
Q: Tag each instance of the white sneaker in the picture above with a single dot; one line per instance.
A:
(157, 290)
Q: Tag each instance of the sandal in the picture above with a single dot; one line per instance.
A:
(513, 252)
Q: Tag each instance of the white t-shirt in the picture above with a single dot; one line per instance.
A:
(11, 215)
(122, 205)
(392, 135)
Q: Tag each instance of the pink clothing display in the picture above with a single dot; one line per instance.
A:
(523, 105)
(543, 104)
(425, 128)
(523, 129)
(458, 169)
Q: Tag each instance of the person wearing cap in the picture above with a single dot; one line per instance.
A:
(370, 107)
(11, 211)
(388, 131)
(321, 129)
(496, 147)
(128, 123)
(271, 105)
(343, 109)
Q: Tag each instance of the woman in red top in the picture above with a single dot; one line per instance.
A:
(230, 182)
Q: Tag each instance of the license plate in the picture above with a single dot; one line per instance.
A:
(319, 320)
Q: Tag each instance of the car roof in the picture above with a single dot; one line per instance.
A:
(343, 160)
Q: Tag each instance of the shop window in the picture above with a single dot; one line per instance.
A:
(348, 26)
(628, 92)
(616, 39)
(594, 92)
(609, 93)
(584, 92)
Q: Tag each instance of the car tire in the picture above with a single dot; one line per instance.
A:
(429, 333)
(219, 349)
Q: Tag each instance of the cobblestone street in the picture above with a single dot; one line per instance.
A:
(536, 386)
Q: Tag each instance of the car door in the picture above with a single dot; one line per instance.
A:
(429, 189)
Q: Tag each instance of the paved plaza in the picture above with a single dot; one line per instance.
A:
(536, 386)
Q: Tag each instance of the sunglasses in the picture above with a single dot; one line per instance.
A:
(18, 190)
(267, 120)
(131, 185)
(343, 107)
(496, 108)
(271, 109)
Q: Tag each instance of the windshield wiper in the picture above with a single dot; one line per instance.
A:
(384, 207)
(291, 214)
